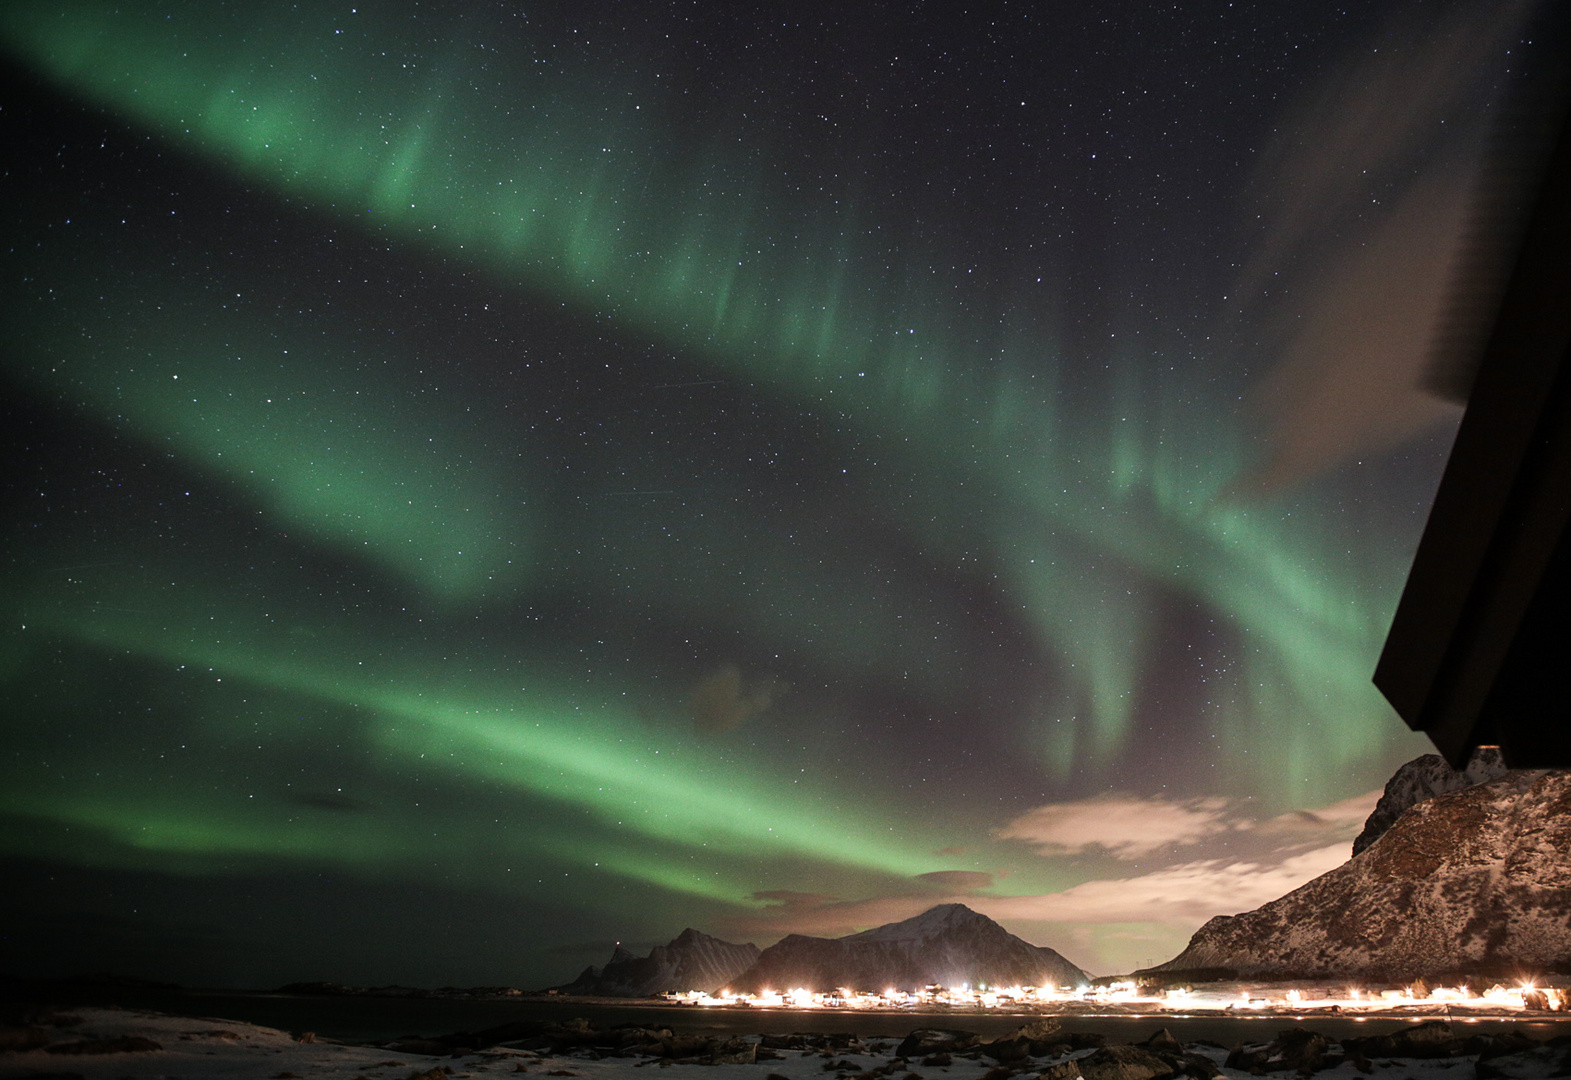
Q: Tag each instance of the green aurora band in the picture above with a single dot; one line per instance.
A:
(579, 184)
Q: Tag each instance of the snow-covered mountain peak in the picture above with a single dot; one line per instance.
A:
(929, 924)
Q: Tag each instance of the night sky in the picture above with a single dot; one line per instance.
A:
(485, 481)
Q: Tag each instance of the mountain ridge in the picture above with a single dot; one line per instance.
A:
(1476, 880)
(690, 961)
(948, 944)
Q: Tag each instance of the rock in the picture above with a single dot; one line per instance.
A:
(1248, 1057)
(939, 1060)
(1298, 1049)
(1162, 1039)
(1124, 1063)
(1535, 1000)
(1498, 1044)
(936, 1041)
(1063, 1070)
(1195, 1065)
(1037, 1030)
(1007, 1050)
(1428, 1040)
(1526, 1064)
(1034, 1038)
(687, 1046)
(734, 1052)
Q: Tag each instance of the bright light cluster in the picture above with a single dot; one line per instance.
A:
(846, 998)
(1357, 999)
(1342, 999)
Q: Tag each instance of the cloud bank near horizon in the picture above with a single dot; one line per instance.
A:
(1199, 858)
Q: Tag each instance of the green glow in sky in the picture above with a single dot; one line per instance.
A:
(966, 548)
(567, 186)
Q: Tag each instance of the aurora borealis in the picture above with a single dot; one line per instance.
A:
(488, 481)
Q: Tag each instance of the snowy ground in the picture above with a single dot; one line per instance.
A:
(120, 1044)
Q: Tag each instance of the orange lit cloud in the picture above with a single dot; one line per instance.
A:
(1126, 828)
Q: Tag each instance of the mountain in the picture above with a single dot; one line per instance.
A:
(692, 961)
(1424, 778)
(948, 944)
(1476, 880)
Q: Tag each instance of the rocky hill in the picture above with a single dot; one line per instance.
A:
(1476, 880)
(692, 961)
(949, 944)
(1424, 778)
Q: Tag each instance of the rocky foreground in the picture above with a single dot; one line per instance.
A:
(105, 1044)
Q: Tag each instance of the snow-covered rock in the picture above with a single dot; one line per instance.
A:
(1424, 778)
(949, 944)
(1477, 880)
(692, 961)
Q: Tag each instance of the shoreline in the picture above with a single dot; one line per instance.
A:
(99, 1043)
(377, 1015)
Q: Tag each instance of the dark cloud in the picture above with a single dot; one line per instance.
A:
(1367, 196)
(721, 701)
(957, 881)
(787, 898)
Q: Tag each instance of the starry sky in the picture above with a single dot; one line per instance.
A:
(485, 481)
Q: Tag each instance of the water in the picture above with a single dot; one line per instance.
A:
(366, 1019)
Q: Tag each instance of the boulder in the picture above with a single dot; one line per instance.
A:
(936, 1041)
(1124, 1063)
(1526, 1064)
(1433, 1039)
(1031, 1039)
(1163, 1040)
(733, 1052)
(1298, 1049)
